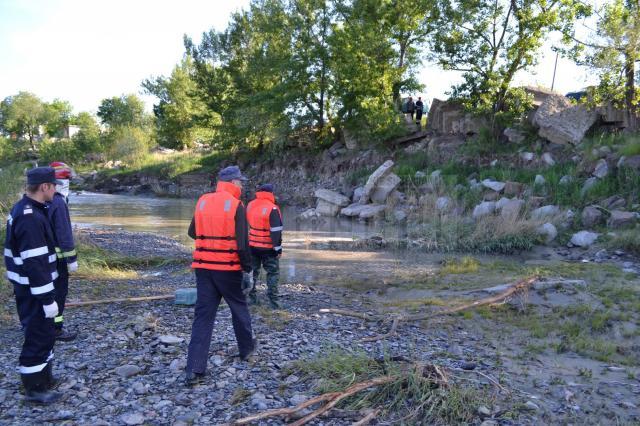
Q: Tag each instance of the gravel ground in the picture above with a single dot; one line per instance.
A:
(126, 367)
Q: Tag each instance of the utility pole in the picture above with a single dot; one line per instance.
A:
(555, 67)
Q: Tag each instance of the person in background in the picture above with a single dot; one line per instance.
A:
(30, 258)
(58, 212)
(265, 240)
(411, 107)
(419, 112)
(222, 265)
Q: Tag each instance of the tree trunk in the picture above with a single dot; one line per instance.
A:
(630, 90)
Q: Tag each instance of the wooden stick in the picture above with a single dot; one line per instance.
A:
(366, 419)
(391, 333)
(126, 299)
(348, 392)
(286, 411)
(347, 313)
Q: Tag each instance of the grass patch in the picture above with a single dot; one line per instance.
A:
(275, 319)
(239, 396)
(466, 265)
(628, 240)
(411, 398)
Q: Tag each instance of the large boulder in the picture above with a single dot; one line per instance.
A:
(444, 204)
(513, 189)
(548, 232)
(325, 208)
(443, 148)
(584, 238)
(632, 163)
(384, 187)
(560, 121)
(512, 209)
(373, 180)
(449, 117)
(545, 212)
(372, 211)
(622, 219)
(591, 216)
(332, 197)
(485, 208)
(493, 185)
(353, 210)
(514, 135)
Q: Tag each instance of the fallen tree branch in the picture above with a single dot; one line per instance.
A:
(126, 299)
(366, 419)
(517, 287)
(332, 397)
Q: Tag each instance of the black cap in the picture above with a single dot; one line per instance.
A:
(40, 175)
(265, 187)
(230, 173)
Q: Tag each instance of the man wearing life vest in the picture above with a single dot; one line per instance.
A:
(58, 212)
(265, 239)
(222, 264)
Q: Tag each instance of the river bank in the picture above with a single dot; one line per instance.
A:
(565, 354)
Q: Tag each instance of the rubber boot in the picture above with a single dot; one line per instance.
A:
(253, 298)
(63, 335)
(52, 381)
(36, 388)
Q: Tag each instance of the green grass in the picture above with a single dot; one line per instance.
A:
(465, 265)
(628, 240)
(413, 395)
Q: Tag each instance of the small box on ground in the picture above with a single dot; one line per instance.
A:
(186, 296)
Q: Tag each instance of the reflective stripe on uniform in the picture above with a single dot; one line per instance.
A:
(278, 248)
(34, 252)
(42, 289)
(33, 369)
(13, 276)
(54, 275)
(58, 319)
(276, 228)
(62, 254)
(16, 260)
(52, 258)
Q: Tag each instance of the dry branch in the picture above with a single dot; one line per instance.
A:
(332, 397)
(366, 419)
(515, 288)
(126, 299)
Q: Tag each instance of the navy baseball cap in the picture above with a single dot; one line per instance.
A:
(231, 173)
(265, 187)
(40, 175)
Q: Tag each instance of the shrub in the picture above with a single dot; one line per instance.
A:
(129, 144)
(59, 150)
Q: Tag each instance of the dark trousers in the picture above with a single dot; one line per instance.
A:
(212, 287)
(271, 263)
(62, 288)
(39, 334)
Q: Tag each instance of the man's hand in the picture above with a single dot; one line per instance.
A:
(51, 310)
(247, 283)
(73, 267)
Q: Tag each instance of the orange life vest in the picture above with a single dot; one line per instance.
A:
(258, 212)
(216, 244)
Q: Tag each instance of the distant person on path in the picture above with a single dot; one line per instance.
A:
(30, 258)
(419, 111)
(265, 239)
(410, 107)
(222, 264)
(65, 248)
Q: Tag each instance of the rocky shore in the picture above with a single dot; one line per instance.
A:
(126, 366)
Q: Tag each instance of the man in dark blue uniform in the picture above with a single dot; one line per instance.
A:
(30, 259)
(65, 248)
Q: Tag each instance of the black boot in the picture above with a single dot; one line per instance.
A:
(192, 379)
(36, 388)
(52, 381)
(65, 336)
(247, 356)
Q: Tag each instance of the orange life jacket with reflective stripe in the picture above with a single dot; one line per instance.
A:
(258, 212)
(216, 244)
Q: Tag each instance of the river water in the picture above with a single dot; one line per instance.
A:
(300, 262)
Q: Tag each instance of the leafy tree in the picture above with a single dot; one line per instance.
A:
(490, 41)
(87, 140)
(125, 110)
(23, 114)
(613, 50)
(58, 117)
(180, 110)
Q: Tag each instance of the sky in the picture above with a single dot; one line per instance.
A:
(84, 50)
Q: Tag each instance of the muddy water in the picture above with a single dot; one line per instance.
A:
(299, 262)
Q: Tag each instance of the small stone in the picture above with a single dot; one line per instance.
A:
(547, 158)
(527, 156)
(484, 209)
(548, 231)
(545, 212)
(489, 423)
(539, 180)
(588, 184)
(217, 360)
(167, 339)
(420, 175)
(133, 419)
(128, 370)
(298, 399)
(493, 185)
(591, 216)
(484, 411)
(531, 406)
(292, 379)
(565, 180)
(443, 204)
(622, 219)
(601, 170)
(139, 388)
